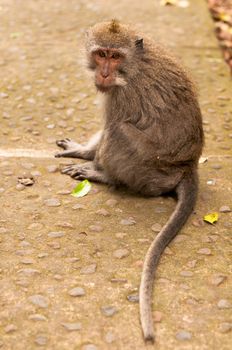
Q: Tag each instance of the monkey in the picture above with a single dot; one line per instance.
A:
(152, 136)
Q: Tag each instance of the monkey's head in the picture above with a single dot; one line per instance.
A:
(110, 48)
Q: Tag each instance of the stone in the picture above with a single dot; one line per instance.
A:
(96, 228)
(110, 337)
(72, 326)
(103, 212)
(76, 292)
(108, 310)
(121, 253)
(186, 273)
(225, 209)
(78, 206)
(29, 271)
(111, 202)
(89, 269)
(35, 226)
(27, 261)
(157, 316)
(129, 221)
(89, 347)
(52, 202)
(191, 263)
(224, 304)
(183, 335)
(10, 328)
(39, 300)
(56, 234)
(216, 280)
(41, 339)
(133, 298)
(156, 227)
(37, 317)
(204, 251)
(225, 327)
(52, 168)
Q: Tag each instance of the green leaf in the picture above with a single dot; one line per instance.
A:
(81, 189)
(211, 218)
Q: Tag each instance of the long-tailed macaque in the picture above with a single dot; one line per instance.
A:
(152, 137)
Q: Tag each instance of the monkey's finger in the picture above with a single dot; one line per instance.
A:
(79, 177)
(63, 143)
(64, 154)
(67, 170)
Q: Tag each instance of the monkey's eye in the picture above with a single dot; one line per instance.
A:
(115, 55)
(101, 53)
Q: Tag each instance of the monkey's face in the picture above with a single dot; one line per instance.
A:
(107, 63)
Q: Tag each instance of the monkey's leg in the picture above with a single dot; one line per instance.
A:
(85, 171)
(76, 150)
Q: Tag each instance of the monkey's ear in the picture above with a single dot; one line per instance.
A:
(139, 43)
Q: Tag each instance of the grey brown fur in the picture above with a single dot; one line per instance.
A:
(151, 141)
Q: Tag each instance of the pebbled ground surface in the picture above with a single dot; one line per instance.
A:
(70, 268)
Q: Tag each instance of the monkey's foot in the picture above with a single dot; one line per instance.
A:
(67, 144)
(82, 172)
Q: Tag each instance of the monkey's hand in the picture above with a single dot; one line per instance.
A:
(82, 172)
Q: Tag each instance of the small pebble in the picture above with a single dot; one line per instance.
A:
(41, 340)
(37, 317)
(71, 326)
(103, 212)
(121, 253)
(52, 202)
(129, 221)
(35, 226)
(27, 261)
(3, 230)
(89, 347)
(183, 335)
(133, 298)
(76, 292)
(110, 337)
(224, 304)
(55, 234)
(218, 279)
(225, 327)
(225, 209)
(111, 202)
(186, 273)
(211, 182)
(108, 310)
(157, 316)
(52, 168)
(10, 328)
(156, 227)
(79, 206)
(54, 245)
(89, 269)
(204, 251)
(216, 166)
(191, 263)
(29, 272)
(39, 300)
(64, 224)
(96, 228)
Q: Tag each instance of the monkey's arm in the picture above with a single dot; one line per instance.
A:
(76, 150)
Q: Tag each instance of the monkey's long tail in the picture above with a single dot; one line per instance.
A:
(186, 194)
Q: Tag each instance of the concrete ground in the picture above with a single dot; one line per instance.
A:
(70, 268)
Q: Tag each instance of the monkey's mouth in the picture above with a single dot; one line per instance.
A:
(103, 87)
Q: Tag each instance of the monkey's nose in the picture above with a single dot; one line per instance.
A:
(104, 74)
